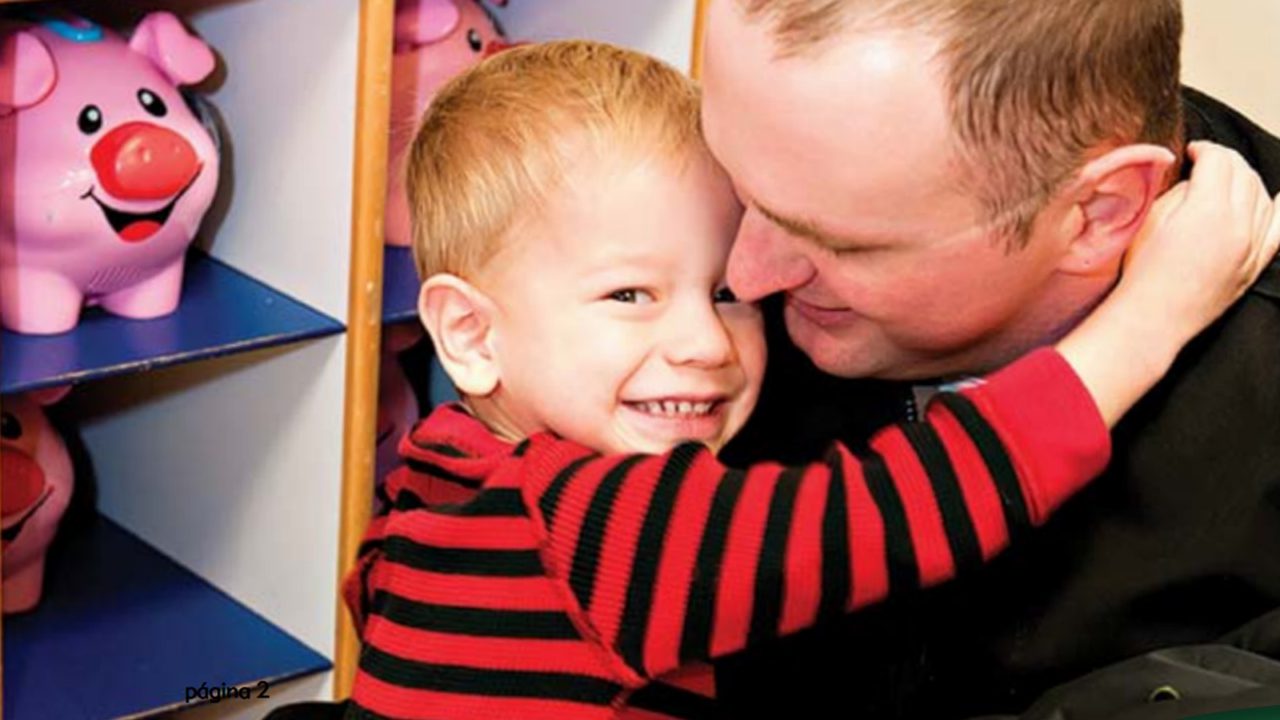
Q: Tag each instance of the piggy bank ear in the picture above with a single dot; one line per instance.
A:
(421, 22)
(181, 56)
(27, 70)
(48, 396)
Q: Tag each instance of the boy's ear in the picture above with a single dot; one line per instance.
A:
(459, 318)
(1114, 193)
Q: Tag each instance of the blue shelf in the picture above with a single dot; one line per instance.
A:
(223, 311)
(123, 630)
(399, 285)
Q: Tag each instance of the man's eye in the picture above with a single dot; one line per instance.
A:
(724, 295)
(633, 296)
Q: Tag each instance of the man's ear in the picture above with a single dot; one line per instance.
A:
(459, 318)
(1114, 193)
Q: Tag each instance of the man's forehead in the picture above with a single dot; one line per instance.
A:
(848, 143)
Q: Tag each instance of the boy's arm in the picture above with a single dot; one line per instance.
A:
(360, 585)
(357, 586)
(676, 558)
(1202, 245)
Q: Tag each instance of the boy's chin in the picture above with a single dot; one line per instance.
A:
(641, 433)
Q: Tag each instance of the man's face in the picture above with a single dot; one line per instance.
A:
(615, 327)
(855, 206)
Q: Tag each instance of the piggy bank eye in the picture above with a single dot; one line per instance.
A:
(152, 103)
(90, 120)
(474, 40)
(10, 428)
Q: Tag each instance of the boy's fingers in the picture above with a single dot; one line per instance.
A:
(1272, 243)
(1265, 206)
(1240, 176)
(1209, 169)
(1214, 164)
(1265, 249)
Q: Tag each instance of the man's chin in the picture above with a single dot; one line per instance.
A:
(842, 354)
(844, 366)
(853, 363)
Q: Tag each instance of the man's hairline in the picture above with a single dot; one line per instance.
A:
(961, 163)
(964, 170)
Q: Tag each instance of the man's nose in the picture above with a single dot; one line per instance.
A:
(765, 260)
(698, 337)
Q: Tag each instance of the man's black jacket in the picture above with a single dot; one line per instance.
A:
(1177, 544)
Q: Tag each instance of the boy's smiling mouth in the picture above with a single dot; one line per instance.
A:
(669, 420)
(676, 407)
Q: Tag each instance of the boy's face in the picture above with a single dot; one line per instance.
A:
(614, 326)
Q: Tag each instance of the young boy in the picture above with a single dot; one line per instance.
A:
(572, 232)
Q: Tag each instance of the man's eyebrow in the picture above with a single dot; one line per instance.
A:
(809, 230)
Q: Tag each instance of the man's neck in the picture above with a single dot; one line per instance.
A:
(1065, 302)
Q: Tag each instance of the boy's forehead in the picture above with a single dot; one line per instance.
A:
(615, 210)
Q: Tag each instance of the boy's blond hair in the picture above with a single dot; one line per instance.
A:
(499, 138)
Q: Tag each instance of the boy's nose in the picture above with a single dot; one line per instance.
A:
(765, 260)
(699, 339)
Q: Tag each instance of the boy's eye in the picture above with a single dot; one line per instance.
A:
(633, 296)
(724, 295)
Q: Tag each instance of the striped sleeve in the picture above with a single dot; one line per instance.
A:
(357, 585)
(675, 558)
(404, 490)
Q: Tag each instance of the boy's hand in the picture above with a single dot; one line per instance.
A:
(1204, 243)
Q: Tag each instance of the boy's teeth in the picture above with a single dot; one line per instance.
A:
(676, 408)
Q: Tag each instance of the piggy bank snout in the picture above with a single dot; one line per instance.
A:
(142, 161)
(23, 479)
(493, 47)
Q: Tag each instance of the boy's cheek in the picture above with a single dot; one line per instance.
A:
(746, 326)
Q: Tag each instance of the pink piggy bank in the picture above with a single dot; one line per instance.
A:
(106, 172)
(398, 412)
(397, 405)
(37, 476)
(434, 41)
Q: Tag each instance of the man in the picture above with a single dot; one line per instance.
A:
(933, 187)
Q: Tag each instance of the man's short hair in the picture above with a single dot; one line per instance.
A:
(499, 138)
(1033, 85)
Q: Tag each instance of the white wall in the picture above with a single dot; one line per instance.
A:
(288, 103)
(663, 28)
(1231, 50)
(232, 467)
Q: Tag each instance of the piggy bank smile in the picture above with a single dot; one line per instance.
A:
(140, 162)
(13, 529)
(133, 227)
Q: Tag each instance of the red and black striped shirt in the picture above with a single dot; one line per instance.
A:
(571, 578)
